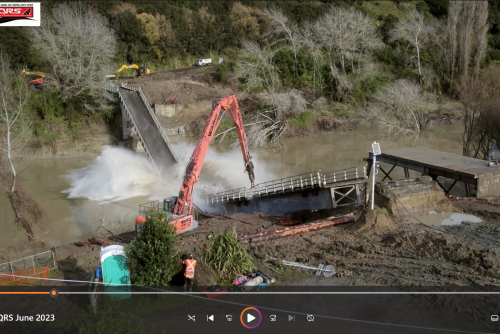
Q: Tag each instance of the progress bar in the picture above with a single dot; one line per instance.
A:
(26, 293)
(275, 293)
(55, 293)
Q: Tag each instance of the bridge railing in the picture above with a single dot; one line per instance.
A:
(352, 173)
(148, 154)
(113, 88)
(304, 181)
(158, 125)
(226, 196)
(291, 183)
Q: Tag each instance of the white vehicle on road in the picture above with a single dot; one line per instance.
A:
(203, 62)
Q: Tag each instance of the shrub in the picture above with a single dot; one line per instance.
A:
(303, 120)
(221, 73)
(152, 257)
(369, 85)
(227, 256)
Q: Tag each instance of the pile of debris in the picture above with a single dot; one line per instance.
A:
(254, 281)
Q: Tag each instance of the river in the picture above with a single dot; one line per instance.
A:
(120, 181)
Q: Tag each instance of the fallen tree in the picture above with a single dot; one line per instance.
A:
(295, 230)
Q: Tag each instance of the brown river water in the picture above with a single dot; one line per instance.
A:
(108, 190)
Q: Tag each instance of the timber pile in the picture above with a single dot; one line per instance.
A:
(295, 230)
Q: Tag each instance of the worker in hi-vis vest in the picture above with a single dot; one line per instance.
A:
(190, 264)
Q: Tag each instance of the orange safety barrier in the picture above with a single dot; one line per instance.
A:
(12, 278)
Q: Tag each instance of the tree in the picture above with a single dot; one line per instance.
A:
(167, 33)
(401, 108)
(244, 22)
(151, 31)
(414, 31)
(480, 97)
(78, 47)
(467, 28)
(152, 255)
(14, 126)
(313, 46)
(256, 68)
(281, 26)
(347, 36)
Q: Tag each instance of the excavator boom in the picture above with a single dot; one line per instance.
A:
(140, 69)
(179, 208)
(229, 103)
(38, 73)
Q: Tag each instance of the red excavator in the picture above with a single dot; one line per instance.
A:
(42, 82)
(179, 208)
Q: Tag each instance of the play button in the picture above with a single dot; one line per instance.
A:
(250, 317)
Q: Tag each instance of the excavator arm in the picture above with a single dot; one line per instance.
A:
(38, 73)
(124, 67)
(229, 103)
(140, 69)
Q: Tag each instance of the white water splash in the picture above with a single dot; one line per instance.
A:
(119, 173)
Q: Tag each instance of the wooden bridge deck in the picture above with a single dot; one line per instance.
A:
(436, 163)
(448, 162)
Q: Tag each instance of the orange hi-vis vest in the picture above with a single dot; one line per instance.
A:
(190, 265)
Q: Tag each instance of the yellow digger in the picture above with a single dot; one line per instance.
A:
(141, 70)
(42, 82)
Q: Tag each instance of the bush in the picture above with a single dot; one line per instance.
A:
(227, 256)
(369, 85)
(152, 257)
(221, 73)
(304, 119)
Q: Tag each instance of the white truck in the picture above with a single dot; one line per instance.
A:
(203, 62)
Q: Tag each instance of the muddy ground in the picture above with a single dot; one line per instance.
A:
(192, 92)
(376, 249)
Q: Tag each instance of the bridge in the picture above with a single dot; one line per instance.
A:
(309, 191)
(138, 116)
(476, 174)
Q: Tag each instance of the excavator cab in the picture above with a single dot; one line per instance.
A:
(182, 223)
(169, 204)
(142, 70)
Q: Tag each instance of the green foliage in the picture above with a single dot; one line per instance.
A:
(17, 45)
(152, 255)
(303, 120)
(384, 211)
(225, 124)
(380, 9)
(49, 138)
(369, 85)
(109, 319)
(45, 104)
(221, 73)
(227, 256)
(338, 113)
